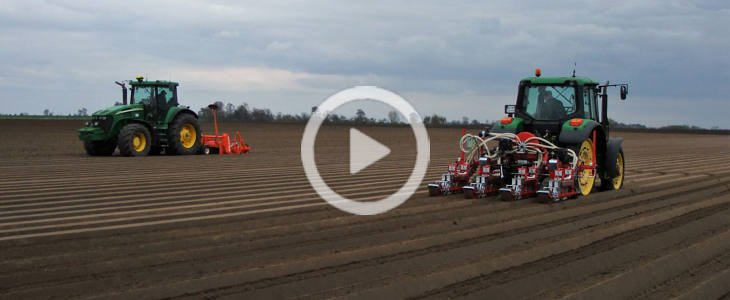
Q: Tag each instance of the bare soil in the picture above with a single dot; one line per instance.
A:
(250, 226)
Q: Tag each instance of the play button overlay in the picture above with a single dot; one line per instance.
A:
(365, 151)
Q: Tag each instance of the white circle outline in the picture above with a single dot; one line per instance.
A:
(423, 150)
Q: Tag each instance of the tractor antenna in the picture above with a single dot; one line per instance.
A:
(574, 64)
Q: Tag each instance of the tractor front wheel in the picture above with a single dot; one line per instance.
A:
(134, 140)
(616, 182)
(184, 135)
(100, 148)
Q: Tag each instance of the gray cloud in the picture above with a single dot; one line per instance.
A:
(289, 55)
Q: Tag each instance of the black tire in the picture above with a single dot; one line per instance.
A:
(134, 140)
(183, 122)
(100, 148)
(607, 183)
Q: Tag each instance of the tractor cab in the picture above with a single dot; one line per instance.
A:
(547, 106)
(156, 97)
(544, 104)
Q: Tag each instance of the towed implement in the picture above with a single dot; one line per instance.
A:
(552, 144)
(222, 144)
(520, 165)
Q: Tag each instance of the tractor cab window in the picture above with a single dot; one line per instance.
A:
(589, 109)
(142, 94)
(165, 97)
(549, 102)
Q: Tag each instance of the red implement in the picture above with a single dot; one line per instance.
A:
(222, 144)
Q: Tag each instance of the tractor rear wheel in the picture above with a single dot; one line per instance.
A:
(184, 135)
(616, 182)
(100, 148)
(134, 140)
(587, 177)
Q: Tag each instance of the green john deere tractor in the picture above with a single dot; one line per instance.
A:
(566, 111)
(152, 122)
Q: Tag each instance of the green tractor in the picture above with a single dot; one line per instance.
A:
(152, 122)
(566, 112)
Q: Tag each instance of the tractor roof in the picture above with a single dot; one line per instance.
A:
(560, 80)
(154, 83)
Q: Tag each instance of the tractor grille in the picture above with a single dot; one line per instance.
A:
(103, 122)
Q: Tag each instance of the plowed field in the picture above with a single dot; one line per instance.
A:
(250, 226)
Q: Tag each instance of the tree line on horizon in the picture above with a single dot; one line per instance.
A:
(244, 113)
(247, 114)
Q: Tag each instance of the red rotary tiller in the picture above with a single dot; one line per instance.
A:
(222, 144)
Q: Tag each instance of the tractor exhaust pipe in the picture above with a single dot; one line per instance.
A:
(124, 92)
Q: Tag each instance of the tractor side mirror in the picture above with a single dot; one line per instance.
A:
(624, 89)
(509, 109)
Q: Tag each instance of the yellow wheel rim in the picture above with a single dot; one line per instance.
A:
(188, 136)
(586, 177)
(619, 172)
(139, 141)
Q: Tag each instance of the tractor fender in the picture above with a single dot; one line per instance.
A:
(613, 147)
(573, 135)
(138, 121)
(173, 113)
(117, 126)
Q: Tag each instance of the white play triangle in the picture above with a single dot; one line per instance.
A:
(364, 151)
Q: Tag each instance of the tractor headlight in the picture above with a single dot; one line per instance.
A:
(96, 123)
(87, 123)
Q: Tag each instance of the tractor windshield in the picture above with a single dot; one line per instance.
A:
(142, 94)
(548, 102)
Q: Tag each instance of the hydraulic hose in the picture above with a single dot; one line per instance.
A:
(534, 148)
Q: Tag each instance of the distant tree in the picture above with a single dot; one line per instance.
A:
(360, 116)
(261, 115)
(47, 112)
(229, 109)
(434, 121)
(393, 117)
(242, 113)
(465, 120)
(82, 112)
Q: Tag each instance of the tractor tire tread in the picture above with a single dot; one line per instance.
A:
(173, 135)
(126, 136)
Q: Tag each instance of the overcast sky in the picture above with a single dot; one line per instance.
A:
(453, 58)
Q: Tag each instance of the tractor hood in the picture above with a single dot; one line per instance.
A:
(119, 109)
